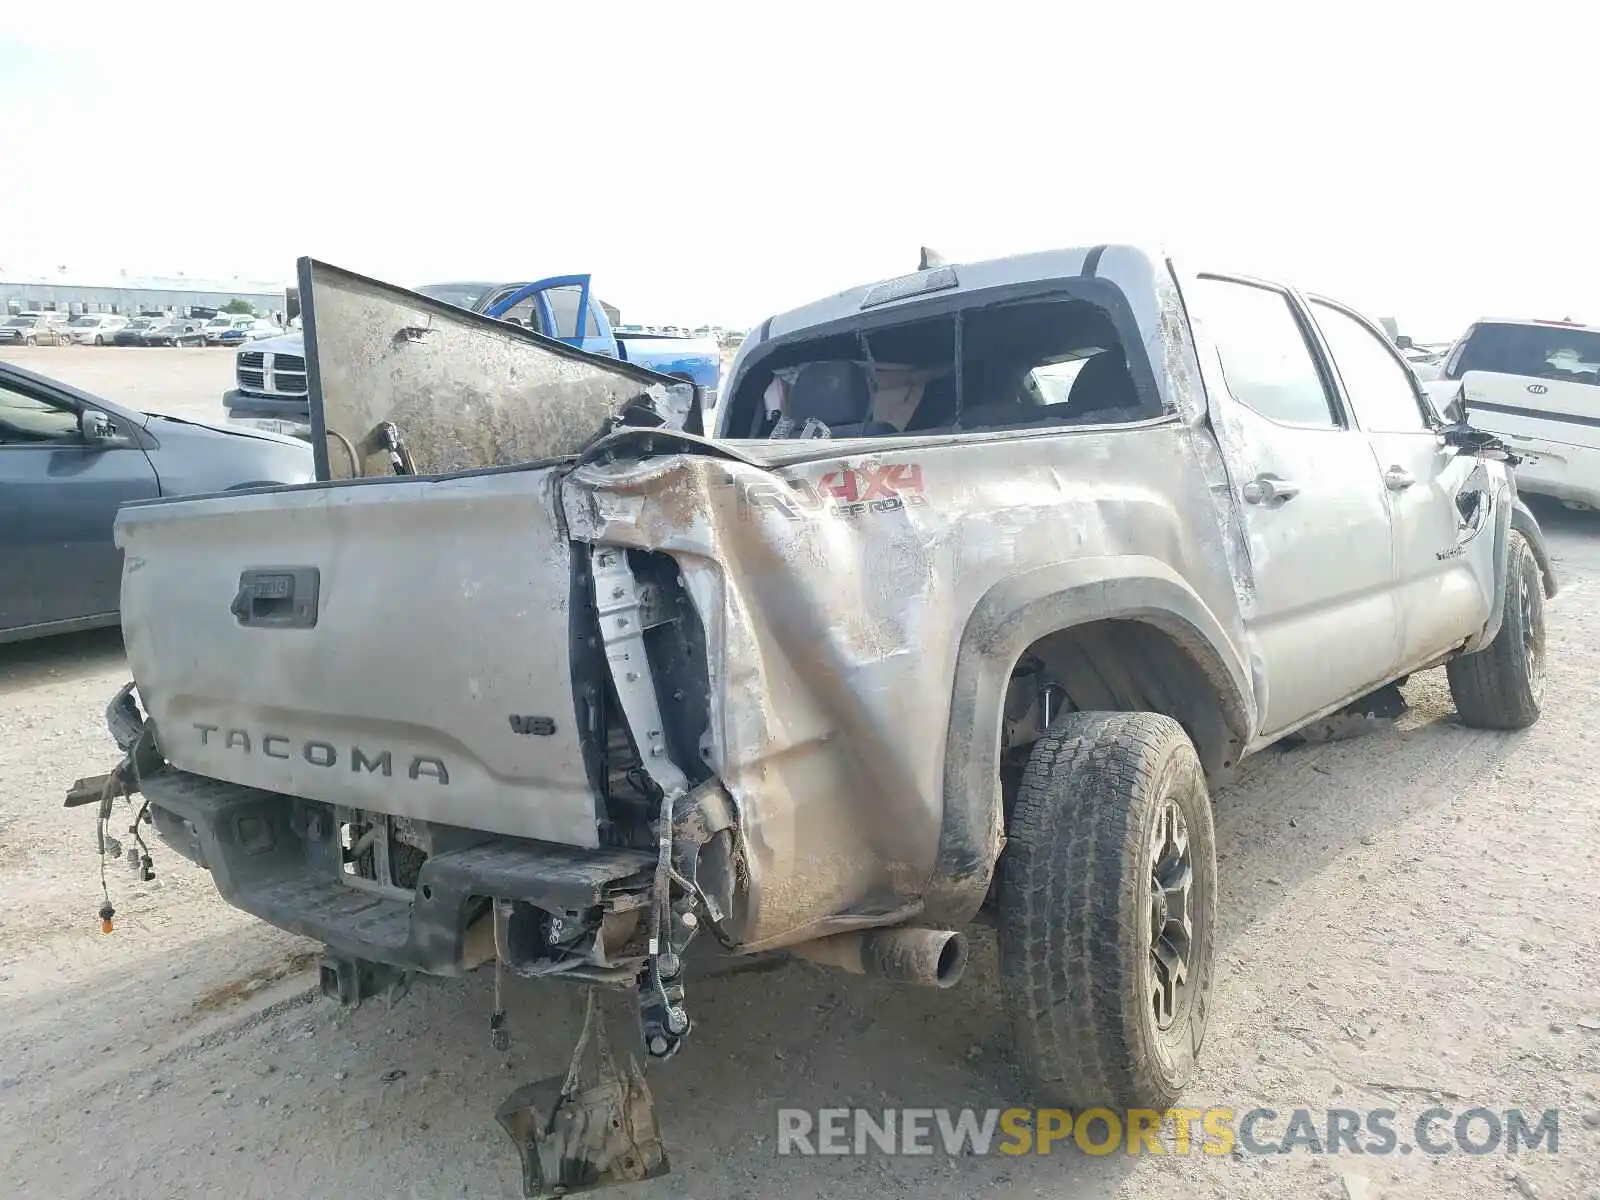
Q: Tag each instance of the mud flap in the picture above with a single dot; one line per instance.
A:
(577, 1137)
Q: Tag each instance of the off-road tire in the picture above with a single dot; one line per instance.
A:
(1502, 685)
(1076, 918)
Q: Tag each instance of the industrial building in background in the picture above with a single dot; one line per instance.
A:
(128, 295)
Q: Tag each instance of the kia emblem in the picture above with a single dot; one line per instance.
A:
(1538, 389)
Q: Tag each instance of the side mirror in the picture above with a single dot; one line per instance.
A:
(1448, 398)
(1402, 341)
(96, 427)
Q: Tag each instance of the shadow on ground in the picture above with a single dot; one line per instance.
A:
(61, 659)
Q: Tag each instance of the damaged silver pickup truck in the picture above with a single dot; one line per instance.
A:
(987, 573)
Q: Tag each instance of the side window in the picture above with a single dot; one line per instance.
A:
(25, 418)
(1265, 357)
(564, 306)
(1380, 388)
(526, 312)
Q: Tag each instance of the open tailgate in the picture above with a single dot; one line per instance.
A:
(398, 378)
(402, 643)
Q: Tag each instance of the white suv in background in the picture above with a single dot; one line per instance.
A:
(1536, 384)
(94, 329)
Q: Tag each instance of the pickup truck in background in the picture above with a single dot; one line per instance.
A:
(270, 378)
(987, 575)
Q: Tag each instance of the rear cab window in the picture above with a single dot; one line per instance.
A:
(1021, 365)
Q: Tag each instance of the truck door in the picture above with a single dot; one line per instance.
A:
(1444, 564)
(559, 307)
(1320, 602)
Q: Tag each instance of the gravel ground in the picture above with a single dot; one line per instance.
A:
(186, 382)
(1404, 922)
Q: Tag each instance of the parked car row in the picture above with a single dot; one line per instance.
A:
(723, 337)
(112, 329)
(34, 329)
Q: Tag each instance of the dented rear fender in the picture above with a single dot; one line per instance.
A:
(862, 614)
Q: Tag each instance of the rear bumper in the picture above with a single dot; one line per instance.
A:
(280, 859)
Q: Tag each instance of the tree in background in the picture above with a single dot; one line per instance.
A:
(243, 307)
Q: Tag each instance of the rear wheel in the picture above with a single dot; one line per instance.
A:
(98, 340)
(1502, 685)
(1107, 910)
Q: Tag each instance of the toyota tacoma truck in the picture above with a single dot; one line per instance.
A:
(270, 389)
(987, 574)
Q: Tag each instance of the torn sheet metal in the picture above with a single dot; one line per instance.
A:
(404, 384)
(834, 583)
(586, 1130)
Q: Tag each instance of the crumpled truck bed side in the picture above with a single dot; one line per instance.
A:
(843, 596)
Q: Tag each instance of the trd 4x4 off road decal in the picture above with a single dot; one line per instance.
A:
(847, 492)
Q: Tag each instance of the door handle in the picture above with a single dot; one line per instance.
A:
(1269, 489)
(1398, 479)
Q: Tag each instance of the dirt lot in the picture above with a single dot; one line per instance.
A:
(1407, 919)
(186, 382)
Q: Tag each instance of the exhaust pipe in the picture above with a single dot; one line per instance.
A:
(930, 957)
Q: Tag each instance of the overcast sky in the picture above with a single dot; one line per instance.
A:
(715, 162)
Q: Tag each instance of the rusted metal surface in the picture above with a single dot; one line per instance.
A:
(462, 390)
(929, 957)
(578, 1135)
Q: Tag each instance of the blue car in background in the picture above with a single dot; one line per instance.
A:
(551, 306)
(270, 376)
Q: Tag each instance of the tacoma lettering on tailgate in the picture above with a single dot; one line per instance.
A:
(323, 754)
